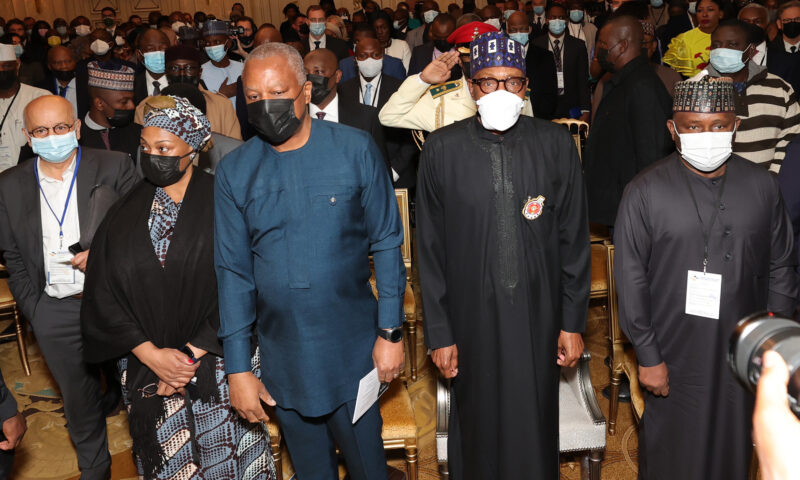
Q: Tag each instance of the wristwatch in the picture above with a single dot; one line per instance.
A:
(394, 335)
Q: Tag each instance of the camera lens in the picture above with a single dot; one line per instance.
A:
(758, 333)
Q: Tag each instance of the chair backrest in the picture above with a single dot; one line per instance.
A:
(614, 332)
(579, 130)
(600, 278)
(402, 202)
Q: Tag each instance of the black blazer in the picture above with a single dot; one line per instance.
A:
(363, 117)
(782, 63)
(337, 46)
(49, 84)
(421, 56)
(542, 81)
(350, 91)
(21, 222)
(576, 74)
(123, 139)
(139, 87)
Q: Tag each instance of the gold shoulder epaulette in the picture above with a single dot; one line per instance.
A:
(437, 91)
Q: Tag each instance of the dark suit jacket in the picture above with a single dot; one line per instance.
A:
(337, 46)
(392, 67)
(363, 117)
(576, 75)
(421, 56)
(542, 81)
(139, 87)
(21, 222)
(782, 63)
(49, 84)
(123, 139)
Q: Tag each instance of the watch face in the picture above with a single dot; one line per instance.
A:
(396, 335)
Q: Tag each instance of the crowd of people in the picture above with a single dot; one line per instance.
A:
(189, 205)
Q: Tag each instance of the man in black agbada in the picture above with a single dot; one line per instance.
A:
(504, 268)
(702, 240)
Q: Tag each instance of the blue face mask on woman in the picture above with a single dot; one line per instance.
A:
(55, 148)
(556, 26)
(576, 16)
(154, 61)
(216, 53)
(726, 60)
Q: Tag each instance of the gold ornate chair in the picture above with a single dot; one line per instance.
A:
(400, 426)
(275, 441)
(579, 130)
(8, 308)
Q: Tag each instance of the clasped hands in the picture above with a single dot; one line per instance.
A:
(173, 368)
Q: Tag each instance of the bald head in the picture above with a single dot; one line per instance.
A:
(625, 28)
(267, 34)
(48, 111)
(321, 62)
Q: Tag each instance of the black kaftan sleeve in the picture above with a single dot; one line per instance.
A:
(432, 252)
(632, 242)
(108, 327)
(783, 280)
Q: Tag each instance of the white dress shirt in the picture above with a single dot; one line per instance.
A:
(376, 84)
(214, 76)
(552, 43)
(789, 46)
(162, 82)
(12, 139)
(313, 46)
(539, 18)
(760, 57)
(331, 110)
(55, 191)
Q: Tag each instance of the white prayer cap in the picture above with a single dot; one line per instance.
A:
(7, 53)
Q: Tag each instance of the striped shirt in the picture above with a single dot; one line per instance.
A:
(770, 117)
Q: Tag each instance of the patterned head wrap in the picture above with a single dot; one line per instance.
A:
(215, 27)
(180, 118)
(705, 95)
(648, 27)
(495, 49)
(119, 79)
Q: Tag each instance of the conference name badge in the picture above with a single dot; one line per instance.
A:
(533, 207)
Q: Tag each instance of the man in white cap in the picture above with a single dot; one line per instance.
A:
(14, 96)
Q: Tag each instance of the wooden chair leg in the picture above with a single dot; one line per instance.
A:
(613, 401)
(275, 444)
(595, 462)
(23, 349)
(753, 474)
(411, 463)
(412, 348)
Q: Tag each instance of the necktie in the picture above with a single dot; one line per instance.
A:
(156, 87)
(106, 141)
(62, 91)
(321, 115)
(557, 58)
(793, 49)
(538, 21)
(368, 95)
(316, 44)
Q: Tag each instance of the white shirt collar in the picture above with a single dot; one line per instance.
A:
(92, 124)
(331, 110)
(66, 176)
(321, 40)
(788, 46)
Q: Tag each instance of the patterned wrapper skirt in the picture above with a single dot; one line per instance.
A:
(225, 446)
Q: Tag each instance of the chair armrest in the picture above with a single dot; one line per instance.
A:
(442, 417)
(582, 385)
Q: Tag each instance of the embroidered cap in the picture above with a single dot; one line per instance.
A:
(120, 78)
(179, 117)
(495, 49)
(705, 95)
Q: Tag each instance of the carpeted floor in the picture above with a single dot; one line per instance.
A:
(47, 454)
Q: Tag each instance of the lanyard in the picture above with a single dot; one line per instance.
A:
(66, 204)
(3, 122)
(717, 205)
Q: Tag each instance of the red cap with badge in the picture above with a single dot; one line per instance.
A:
(463, 35)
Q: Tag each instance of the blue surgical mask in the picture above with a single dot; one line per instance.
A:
(55, 148)
(726, 60)
(556, 26)
(154, 61)
(520, 37)
(18, 50)
(508, 13)
(429, 15)
(316, 28)
(216, 53)
(538, 9)
(576, 16)
(657, 3)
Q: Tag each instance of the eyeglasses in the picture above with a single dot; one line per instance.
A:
(790, 20)
(60, 129)
(149, 390)
(489, 84)
(188, 69)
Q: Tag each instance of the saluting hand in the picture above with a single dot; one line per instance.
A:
(438, 71)
(247, 393)
(446, 360)
(655, 379)
(570, 348)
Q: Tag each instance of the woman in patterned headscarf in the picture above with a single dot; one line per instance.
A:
(151, 300)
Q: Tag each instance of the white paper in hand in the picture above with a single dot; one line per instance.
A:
(370, 390)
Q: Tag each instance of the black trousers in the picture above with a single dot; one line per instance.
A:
(57, 326)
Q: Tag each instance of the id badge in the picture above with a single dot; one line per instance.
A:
(703, 291)
(560, 79)
(59, 268)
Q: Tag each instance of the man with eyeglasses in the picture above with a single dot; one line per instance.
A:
(183, 67)
(14, 95)
(50, 206)
(504, 267)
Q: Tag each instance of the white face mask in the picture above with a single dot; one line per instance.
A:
(705, 151)
(499, 110)
(495, 22)
(99, 47)
(177, 26)
(83, 30)
(370, 67)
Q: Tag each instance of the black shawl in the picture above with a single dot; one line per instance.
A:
(130, 299)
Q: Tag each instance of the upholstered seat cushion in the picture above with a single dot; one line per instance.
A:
(397, 413)
(577, 431)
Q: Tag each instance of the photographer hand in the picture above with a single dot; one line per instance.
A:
(775, 427)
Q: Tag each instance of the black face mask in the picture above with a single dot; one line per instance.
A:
(121, 118)
(602, 59)
(187, 79)
(161, 170)
(246, 40)
(274, 119)
(791, 29)
(319, 88)
(442, 45)
(7, 79)
(64, 75)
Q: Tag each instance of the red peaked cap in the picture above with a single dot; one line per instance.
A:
(466, 33)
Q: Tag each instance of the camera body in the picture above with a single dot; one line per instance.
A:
(758, 333)
(235, 31)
